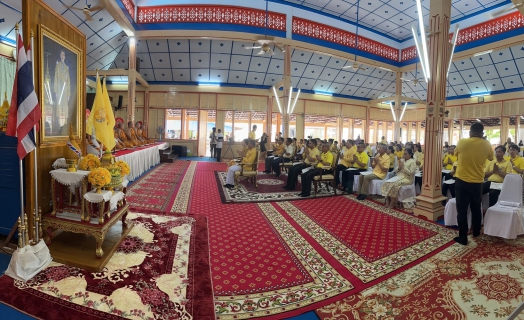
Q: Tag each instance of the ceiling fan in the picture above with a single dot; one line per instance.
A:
(355, 65)
(265, 43)
(86, 10)
(416, 80)
(516, 5)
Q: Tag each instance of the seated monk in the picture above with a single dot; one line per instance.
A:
(119, 145)
(131, 134)
(144, 134)
(138, 131)
(123, 137)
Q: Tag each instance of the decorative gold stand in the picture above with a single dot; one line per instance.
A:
(69, 243)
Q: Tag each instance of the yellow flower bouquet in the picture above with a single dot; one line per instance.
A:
(99, 177)
(89, 162)
(124, 167)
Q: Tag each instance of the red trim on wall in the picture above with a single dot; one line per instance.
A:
(130, 7)
(211, 14)
(479, 31)
(345, 38)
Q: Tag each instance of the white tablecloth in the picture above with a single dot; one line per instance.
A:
(141, 160)
(69, 178)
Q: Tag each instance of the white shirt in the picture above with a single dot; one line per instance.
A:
(288, 149)
(301, 150)
(220, 139)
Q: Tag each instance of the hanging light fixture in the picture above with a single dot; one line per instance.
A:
(278, 99)
(392, 111)
(453, 44)
(403, 110)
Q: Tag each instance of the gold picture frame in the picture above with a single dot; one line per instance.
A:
(61, 87)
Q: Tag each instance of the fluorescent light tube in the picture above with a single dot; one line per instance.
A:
(392, 111)
(403, 110)
(289, 99)
(482, 53)
(209, 84)
(420, 54)
(481, 94)
(278, 99)
(522, 117)
(119, 82)
(453, 43)
(423, 37)
(323, 93)
(8, 43)
(478, 120)
(295, 102)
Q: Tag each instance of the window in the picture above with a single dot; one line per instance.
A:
(209, 118)
(259, 119)
(404, 136)
(228, 126)
(292, 126)
(173, 124)
(314, 126)
(190, 124)
(414, 132)
(241, 124)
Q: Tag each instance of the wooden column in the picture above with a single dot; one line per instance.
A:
(504, 130)
(429, 202)
(517, 129)
(131, 81)
(408, 133)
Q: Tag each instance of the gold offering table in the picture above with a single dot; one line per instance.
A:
(78, 223)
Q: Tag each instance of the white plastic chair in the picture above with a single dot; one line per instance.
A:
(406, 192)
(504, 219)
(450, 213)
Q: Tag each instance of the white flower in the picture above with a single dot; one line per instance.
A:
(380, 310)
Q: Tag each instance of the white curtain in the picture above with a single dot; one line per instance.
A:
(7, 77)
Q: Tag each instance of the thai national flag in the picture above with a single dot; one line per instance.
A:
(25, 111)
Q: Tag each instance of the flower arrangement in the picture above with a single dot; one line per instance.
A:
(124, 167)
(89, 162)
(99, 177)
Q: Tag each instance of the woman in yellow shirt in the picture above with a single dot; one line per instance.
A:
(517, 163)
(391, 153)
(399, 152)
(495, 171)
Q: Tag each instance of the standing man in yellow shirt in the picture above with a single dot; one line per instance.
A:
(253, 134)
(360, 163)
(345, 161)
(248, 158)
(380, 167)
(495, 171)
(324, 160)
(472, 154)
(310, 159)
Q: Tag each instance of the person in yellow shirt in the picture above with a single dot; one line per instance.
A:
(250, 157)
(310, 159)
(324, 160)
(383, 141)
(380, 167)
(278, 150)
(345, 161)
(419, 156)
(495, 171)
(471, 155)
(391, 153)
(449, 158)
(358, 163)
(517, 162)
(399, 152)
(253, 134)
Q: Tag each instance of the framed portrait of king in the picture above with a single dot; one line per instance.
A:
(61, 87)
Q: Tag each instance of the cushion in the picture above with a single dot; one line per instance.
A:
(325, 177)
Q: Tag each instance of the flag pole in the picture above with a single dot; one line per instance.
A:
(21, 239)
(35, 173)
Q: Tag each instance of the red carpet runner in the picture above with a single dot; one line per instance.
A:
(161, 270)
(155, 191)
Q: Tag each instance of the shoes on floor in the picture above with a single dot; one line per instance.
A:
(227, 185)
(457, 240)
(362, 197)
(304, 195)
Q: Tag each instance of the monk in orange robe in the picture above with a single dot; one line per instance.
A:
(119, 144)
(142, 132)
(131, 134)
(138, 131)
(123, 137)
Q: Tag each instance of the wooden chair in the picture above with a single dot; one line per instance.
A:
(287, 165)
(249, 174)
(327, 177)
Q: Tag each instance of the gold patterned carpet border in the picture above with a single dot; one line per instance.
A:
(182, 198)
(357, 265)
(328, 282)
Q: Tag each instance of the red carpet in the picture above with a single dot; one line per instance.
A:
(155, 191)
(161, 270)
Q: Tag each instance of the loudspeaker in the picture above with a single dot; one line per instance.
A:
(180, 150)
(119, 102)
(137, 66)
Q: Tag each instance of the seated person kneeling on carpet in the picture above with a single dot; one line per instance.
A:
(278, 150)
(495, 171)
(248, 158)
(310, 159)
(380, 167)
(405, 175)
(325, 159)
(286, 157)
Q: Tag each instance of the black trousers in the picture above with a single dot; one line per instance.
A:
(493, 194)
(219, 153)
(307, 179)
(391, 169)
(275, 164)
(418, 181)
(213, 150)
(292, 176)
(340, 168)
(348, 178)
(468, 195)
(450, 187)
